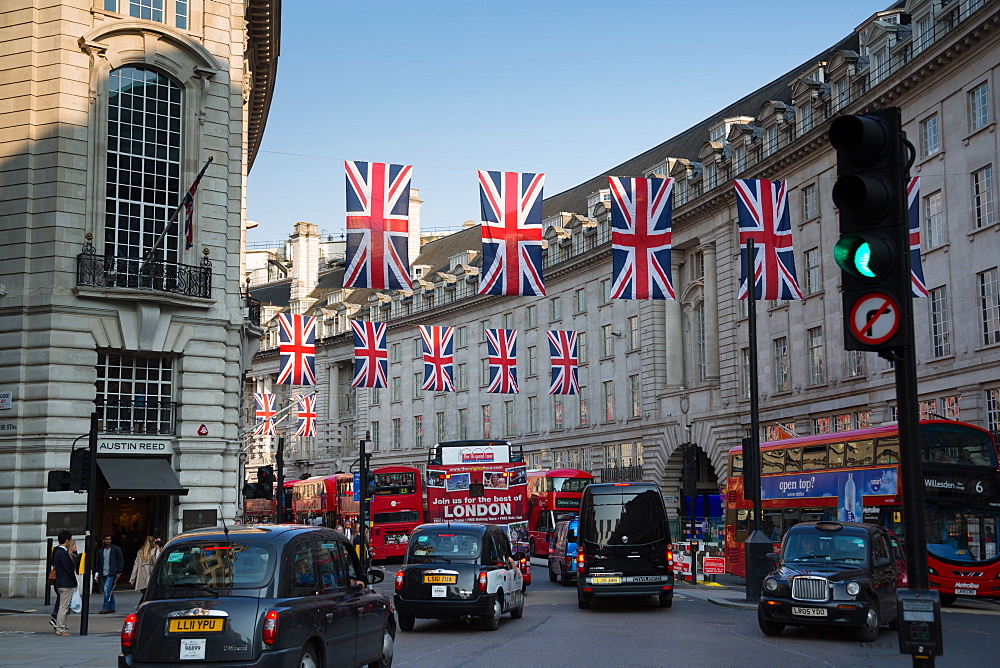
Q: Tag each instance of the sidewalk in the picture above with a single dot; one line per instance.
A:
(728, 594)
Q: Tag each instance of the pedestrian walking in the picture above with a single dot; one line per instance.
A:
(64, 563)
(108, 566)
(144, 561)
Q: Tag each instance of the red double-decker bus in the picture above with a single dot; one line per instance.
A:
(853, 476)
(397, 507)
(330, 498)
(552, 496)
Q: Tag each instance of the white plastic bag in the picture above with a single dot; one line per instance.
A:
(76, 603)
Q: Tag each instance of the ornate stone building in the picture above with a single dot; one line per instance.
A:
(111, 108)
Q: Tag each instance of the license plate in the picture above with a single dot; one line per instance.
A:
(606, 581)
(440, 579)
(197, 625)
(439, 591)
(965, 592)
(809, 612)
(192, 649)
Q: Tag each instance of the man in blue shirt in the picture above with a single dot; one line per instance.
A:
(108, 566)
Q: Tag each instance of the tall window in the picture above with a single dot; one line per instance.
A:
(633, 332)
(376, 396)
(532, 368)
(532, 414)
(634, 399)
(982, 194)
(608, 387)
(531, 315)
(397, 433)
(940, 329)
(607, 341)
(557, 412)
(581, 347)
(781, 365)
(930, 136)
(993, 409)
(134, 394)
(463, 424)
(395, 352)
(555, 310)
(461, 376)
(396, 389)
(485, 421)
(989, 305)
(817, 356)
(375, 436)
(580, 300)
(933, 223)
(770, 139)
(979, 106)
(810, 204)
(418, 431)
(508, 418)
(745, 373)
(418, 380)
(484, 372)
(439, 427)
(854, 363)
(460, 337)
(144, 163)
(701, 349)
(813, 279)
(584, 415)
(605, 290)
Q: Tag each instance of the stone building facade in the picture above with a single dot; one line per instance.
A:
(659, 374)
(111, 108)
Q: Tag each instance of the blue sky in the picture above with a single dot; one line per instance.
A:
(569, 89)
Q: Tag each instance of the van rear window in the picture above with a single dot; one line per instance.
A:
(624, 519)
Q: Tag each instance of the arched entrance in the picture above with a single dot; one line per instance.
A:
(698, 503)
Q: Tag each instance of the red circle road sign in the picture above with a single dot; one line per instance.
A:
(874, 318)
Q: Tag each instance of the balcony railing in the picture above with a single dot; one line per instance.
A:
(106, 271)
(253, 310)
(137, 415)
(622, 474)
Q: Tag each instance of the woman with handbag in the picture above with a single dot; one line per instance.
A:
(144, 564)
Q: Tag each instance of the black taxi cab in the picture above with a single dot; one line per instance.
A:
(267, 595)
(836, 574)
(455, 571)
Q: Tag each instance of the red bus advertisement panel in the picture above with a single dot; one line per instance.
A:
(397, 507)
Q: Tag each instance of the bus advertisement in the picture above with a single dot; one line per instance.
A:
(397, 507)
(854, 476)
(552, 496)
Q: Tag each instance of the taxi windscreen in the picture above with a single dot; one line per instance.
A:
(215, 564)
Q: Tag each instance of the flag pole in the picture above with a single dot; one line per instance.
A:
(173, 216)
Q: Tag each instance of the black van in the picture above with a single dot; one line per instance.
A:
(624, 544)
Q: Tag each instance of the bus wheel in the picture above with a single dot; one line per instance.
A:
(948, 599)
(531, 549)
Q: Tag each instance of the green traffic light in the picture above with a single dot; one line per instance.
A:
(862, 256)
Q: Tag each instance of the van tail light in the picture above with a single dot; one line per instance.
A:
(581, 560)
(670, 557)
(399, 580)
(482, 582)
(128, 631)
(270, 632)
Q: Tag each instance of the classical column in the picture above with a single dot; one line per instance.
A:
(673, 349)
(710, 296)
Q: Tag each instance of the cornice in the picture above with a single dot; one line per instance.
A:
(264, 36)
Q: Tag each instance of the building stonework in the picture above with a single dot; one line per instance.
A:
(108, 117)
(691, 354)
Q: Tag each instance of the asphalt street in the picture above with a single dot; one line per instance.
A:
(707, 626)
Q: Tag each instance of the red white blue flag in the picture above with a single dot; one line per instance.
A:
(371, 359)
(265, 413)
(297, 336)
(439, 357)
(916, 268)
(640, 238)
(378, 218)
(501, 347)
(563, 351)
(189, 208)
(763, 216)
(511, 204)
(307, 416)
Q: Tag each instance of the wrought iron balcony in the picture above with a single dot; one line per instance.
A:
(622, 474)
(130, 273)
(137, 415)
(253, 310)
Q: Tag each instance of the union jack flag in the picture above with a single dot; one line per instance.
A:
(763, 217)
(371, 359)
(378, 214)
(640, 238)
(307, 416)
(189, 207)
(916, 268)
(511, 204)
(563, 351)
(502, 352)
(265, 413)
(297, 335)
(438, 358)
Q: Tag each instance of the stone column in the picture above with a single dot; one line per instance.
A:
(673, 348)
(710, 295)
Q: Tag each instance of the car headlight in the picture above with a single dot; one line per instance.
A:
(770, 584)
(853, 588)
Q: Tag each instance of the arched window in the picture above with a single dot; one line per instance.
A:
(143, 162)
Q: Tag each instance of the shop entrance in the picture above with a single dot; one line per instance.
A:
(129, 519)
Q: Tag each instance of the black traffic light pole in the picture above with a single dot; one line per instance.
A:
(362, 494)
(279, 462)
(88, 540)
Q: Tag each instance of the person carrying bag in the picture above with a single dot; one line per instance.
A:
(144, 561)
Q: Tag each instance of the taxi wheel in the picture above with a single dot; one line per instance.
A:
(493, 621)
(309, 658)
(869, 632)
(405, 621)
(518, 612)
(768, 627)
(388, 644)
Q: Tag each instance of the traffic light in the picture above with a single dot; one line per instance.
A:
(79, 470)
(59, 482)
(265, 482)
(873, 250)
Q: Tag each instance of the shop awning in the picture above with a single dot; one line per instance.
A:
(140, 476)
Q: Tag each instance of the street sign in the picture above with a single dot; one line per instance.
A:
(874, 318)
(714, 566)
(357, 485)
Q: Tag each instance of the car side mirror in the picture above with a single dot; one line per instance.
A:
(772, 557)
(518, 556)
(884, 561)
(375, 576)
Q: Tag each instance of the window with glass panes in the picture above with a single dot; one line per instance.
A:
(532, 414)
(531, 368)
(134, 394)
(418, 347)
(932, 225)
(555, 309)
(950, 406)
(439, 427)
(817, 356)
(508, 418)
(930, 136)
(634, 400)
(580, 300)
(928, 408)
(993, 408)
(485, 421)
(979, 106)
(633, 332)
(395, 352)
(461, 376)
(810, 202)
(143, 163)
(397, 433)
(531, 315)
(463, 424)
(940, 328)
(982, 196)
(989, 305)
(822, 425)
(418, 431)
(374, 431)
(745, 373)
(813, 278)
(396, 389)
(781, 381)
(460, 337)
(375, 396)
(701, 347)
(583, 414)
(484, 372)
(508, 321)
(418, 380)
(770, 139)
(854, 363)
(557, 412)
(171, 12)
(607, 341)
(605, 291)
(581, 347)
(608, 388)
